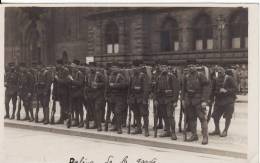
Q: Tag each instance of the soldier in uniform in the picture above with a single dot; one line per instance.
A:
(155, 74)
(196, 92)
(11, 84)
(138, 97)
(77, 82)
(166, 97)
(118, 87)
(89, 93)
(61, 93)
(25, 91)
(98, 85)
(43, 87)
(224, 91)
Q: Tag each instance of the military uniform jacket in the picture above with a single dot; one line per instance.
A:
(26, 83)
(63, 82)
(155, 75)
(196, 88)
(167, 88)
(11, 82)
(117, 84)
(77, 84)
(227, 82)
(96, 84)
(139, 88)
(43, 82)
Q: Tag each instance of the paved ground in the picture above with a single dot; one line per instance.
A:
(40, 147)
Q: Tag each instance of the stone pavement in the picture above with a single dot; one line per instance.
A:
(235, 145)
(43, 147)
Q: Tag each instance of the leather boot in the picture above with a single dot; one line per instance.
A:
(81, 124)
(18, 117)
(174, 137)
(204, 127)
(138, 129)
(46, 116)
(146, 124)
(13, 116)
(68, 121)
(227, 124)
(193, 127)
(87, 124)
(14, 109)
(7, 116)
(31, 113)
(119, 125)
(36, 117)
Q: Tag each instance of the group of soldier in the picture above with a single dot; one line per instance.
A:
(111, 93)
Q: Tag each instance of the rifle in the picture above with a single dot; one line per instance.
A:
(107, 117)
(19, 107)
(53, 109)
(37, 99)
(129, 120)
(181, 115)
(210, 112)
(129, 111)
(70, 112)
(155, 112)
(185, 127)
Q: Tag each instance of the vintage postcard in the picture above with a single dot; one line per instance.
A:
(125, 83)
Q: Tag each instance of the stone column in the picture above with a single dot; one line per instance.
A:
(187, 39)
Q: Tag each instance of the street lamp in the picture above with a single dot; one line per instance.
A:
(221, 26)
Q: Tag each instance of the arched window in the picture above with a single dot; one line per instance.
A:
(239, 29)
(203, 33)
(169, 35)
(112, 38)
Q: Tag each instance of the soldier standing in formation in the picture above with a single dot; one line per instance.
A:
(43, 86)
(11, 83)
(77, 83)
(25, 92)
(224, 91)
(98, 85)
(196, 92)
(118, 87)
(166, 97)
(62, 91)
(75, 86)
(138, 98)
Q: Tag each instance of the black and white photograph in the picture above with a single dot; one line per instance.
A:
(129, 84)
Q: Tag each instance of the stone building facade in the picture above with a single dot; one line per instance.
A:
(125, 34)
